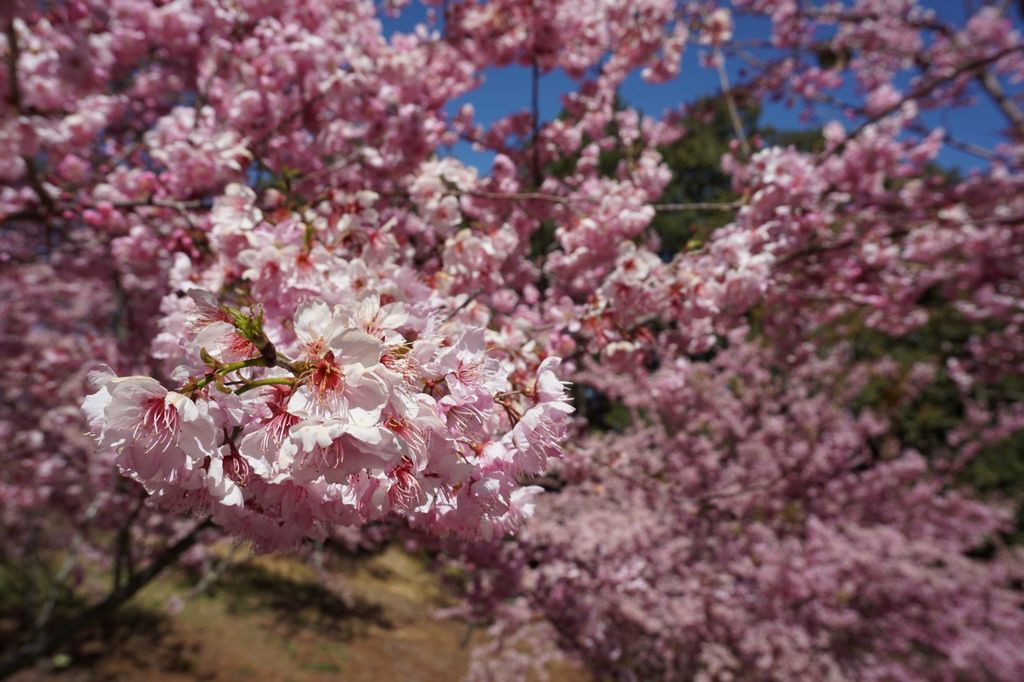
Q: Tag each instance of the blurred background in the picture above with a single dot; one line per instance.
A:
(112, 588)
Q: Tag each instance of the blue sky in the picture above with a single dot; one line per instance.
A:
(507, 89)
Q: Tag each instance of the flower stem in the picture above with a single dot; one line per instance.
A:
(269, 381)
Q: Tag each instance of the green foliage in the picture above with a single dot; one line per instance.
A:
(925, 422)
(697, 175)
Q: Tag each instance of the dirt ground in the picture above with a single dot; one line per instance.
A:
(272, 618)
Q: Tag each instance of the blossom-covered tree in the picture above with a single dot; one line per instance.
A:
(297, 312)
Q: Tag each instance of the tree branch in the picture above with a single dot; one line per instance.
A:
(1009, 108)
(569, 201)
(730, 102)
(33, 651)
(928, 87)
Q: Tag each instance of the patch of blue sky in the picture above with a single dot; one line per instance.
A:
(507, 89)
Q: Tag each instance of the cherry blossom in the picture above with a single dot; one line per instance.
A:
(302, 315)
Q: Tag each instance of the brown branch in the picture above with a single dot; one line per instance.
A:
(461, 306)
(931, 86)
(124, 563)
(699, 206)
(33, 651)
(326, 170)
(519, 196)
(27, 214)
(1009, 108)
(569, 201)
(859, 17)
(158, 203)
(70, 559)
(730, 102)
(947, 138)
(986, 79)
(12, 66)
(821, 249)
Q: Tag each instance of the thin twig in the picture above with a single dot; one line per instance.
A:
(569, 201)
(213, 575)
(461, 306)
(158, 203)
(929, 87)
(124, 564)
(991, 85)
(330, 168)
(65, 570)
(947, 138)
(521, 196)
(730, 102)
(699, 206)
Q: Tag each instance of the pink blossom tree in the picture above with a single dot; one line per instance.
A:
(238, 223)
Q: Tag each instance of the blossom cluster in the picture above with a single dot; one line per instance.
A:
(372, 397)
(316, 317)
(747, 528)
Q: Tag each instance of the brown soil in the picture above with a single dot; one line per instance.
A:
(272, 618)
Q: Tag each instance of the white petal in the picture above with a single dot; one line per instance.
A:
(354, 346)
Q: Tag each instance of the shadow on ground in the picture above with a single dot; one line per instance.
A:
(297, 604)
(271, 618)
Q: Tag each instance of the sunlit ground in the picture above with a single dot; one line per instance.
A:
(274, 618)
